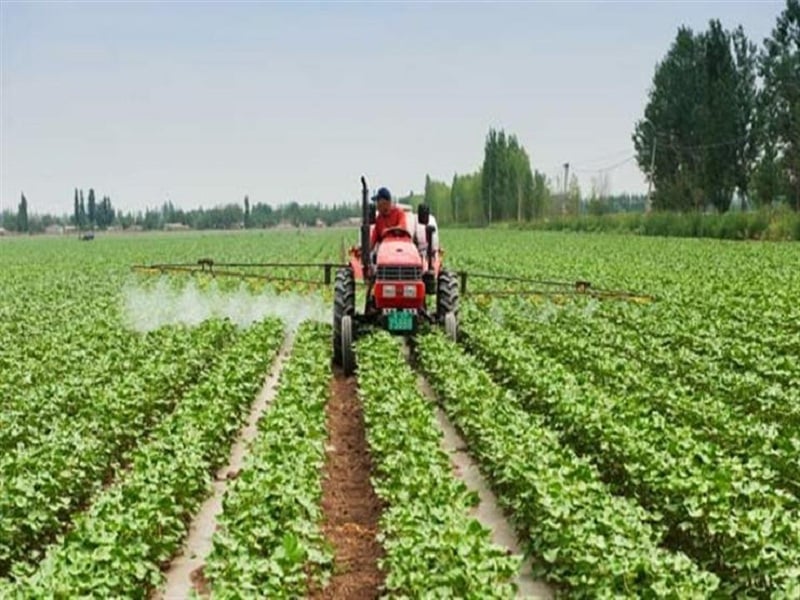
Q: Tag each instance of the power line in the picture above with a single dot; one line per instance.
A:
(729, 142)
(611, 156)
(608, 168)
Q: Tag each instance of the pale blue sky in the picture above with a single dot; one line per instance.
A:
(202, 103)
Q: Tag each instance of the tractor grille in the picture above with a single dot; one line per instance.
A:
(399, 273)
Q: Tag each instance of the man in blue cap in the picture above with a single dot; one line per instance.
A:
(388, 216)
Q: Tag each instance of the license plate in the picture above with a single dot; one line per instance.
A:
(401, 321)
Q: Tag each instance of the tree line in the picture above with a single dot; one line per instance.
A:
(88, 214)
(247, 216)
(723, 117)
(91, 214)
(507, 188)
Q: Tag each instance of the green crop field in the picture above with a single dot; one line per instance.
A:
(640, 448)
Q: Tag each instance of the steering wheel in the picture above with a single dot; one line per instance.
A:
(395, 232)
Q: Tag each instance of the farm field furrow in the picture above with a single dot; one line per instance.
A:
(52, 477)
(716, 509)
(41, 362)
(433, 546)
(31, 415)
(118, 546)
(621, 370)
(757, 377)
(268, 540)
(592, 543)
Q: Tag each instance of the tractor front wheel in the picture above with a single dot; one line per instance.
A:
(344, 305)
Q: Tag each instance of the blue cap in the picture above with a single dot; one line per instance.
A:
(383, 194)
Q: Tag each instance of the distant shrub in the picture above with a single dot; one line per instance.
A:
(776, 224)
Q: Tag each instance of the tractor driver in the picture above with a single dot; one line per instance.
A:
(388, 216)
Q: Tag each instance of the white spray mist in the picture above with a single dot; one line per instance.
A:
(149, 308)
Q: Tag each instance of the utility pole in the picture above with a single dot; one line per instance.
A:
(652, 173)
(564, 197)
(648, 202)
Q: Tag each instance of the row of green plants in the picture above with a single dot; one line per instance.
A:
(269, 542)
(622, 362)
(118, 546)
(43, 410)
(48, 380)
(721, 511)
(583, 538)
(723, 323)
(50, 357)
(434, 548)
(69, 458)
(741, 338)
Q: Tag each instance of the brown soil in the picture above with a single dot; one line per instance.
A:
(200, 583)
(349, 503)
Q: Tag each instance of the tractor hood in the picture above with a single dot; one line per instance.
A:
(402, 253)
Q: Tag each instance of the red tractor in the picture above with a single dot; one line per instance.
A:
(400, 282)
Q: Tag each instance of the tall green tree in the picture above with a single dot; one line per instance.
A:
(22, 214)
(718, 108)
(105, 213)
(82, 211)
(573, 196)
(670, 121)
(76, 215)
(520, 181)
(700, 120)
(746, 97)
(541, 196)
(780, 69)
(465, 194)
(501, 178)
(246, 212)
(455, 198)
(92, 209)
(428, 194)
(507, 183)
(491, 175)
(437, 197)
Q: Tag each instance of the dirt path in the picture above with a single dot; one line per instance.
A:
(487, 512)
(349, 503)
(186, 570)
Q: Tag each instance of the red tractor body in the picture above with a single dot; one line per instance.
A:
(401, 281)
(398, 276)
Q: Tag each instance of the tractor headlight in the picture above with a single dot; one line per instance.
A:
(389, 291)
(409, 291)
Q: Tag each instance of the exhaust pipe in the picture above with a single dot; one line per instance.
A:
(365, 227)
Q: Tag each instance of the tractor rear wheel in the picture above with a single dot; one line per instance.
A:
(348, 356)
(446, 295)
(344, 304)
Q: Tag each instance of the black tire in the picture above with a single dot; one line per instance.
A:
(344, 304)
(348, 356)
(446, 295)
